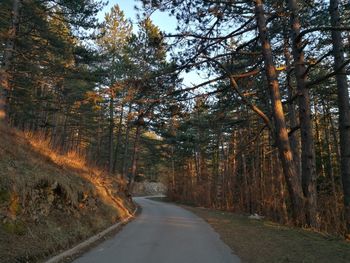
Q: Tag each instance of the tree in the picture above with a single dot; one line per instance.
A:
(114, 37)
(7, 58)
(343, 104)
(307, 141)
(283, 143)
(28, 29)
(220, 40)
(147, 63)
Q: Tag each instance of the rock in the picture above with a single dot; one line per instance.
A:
(256, 217)
(50, 197)
(54, 185)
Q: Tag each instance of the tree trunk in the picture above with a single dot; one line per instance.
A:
(329, 116)
(126, 149)
(119, 136)
(7, 60)
(63, 140)
(294, 143)
(111, 133)
(344, 108)
(330, 169)
(172, 181)
(99, 139)
(308, 160)
(197, 163)
(282, 140)
(320, 169)
(135, 154)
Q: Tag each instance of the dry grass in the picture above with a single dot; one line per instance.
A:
(72, 161)
(256, 241)
(49, 201)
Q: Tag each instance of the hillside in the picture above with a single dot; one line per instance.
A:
(48, 201)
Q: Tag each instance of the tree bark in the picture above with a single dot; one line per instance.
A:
(135, 154)
(7, 60)
(111, 133)
(308, 160)
(282, 140)
(344, 108)
(126, 149)
(119, 136)
(330, 168)
(294, 143)
(320, 169)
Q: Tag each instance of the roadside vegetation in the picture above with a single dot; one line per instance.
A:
(260, 240)
(50, 201)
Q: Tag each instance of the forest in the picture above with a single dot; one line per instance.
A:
(265, 129)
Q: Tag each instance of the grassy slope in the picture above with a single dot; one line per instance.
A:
(48, 201)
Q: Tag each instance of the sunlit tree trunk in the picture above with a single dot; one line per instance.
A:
(282, 140)
(294, 143)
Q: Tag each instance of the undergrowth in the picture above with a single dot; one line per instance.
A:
(51, 200)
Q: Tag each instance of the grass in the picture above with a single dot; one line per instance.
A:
(265, 241)
(51, 201)
(260, 241)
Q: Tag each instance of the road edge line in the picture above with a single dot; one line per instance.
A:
(91, 240)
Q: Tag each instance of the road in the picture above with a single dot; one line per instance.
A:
(162, 233)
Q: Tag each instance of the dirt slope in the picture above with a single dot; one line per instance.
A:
(48, 201)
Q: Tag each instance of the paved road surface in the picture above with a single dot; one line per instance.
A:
(163, 233)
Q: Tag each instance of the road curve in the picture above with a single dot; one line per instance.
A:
(163, 233)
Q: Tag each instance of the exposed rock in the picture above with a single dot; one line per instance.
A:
(256, 217)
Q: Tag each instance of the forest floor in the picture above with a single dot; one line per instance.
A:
(50, 201)
(260, 241)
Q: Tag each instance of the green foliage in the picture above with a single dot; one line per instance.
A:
(115, 32)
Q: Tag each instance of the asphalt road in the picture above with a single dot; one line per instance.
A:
(162, 233)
